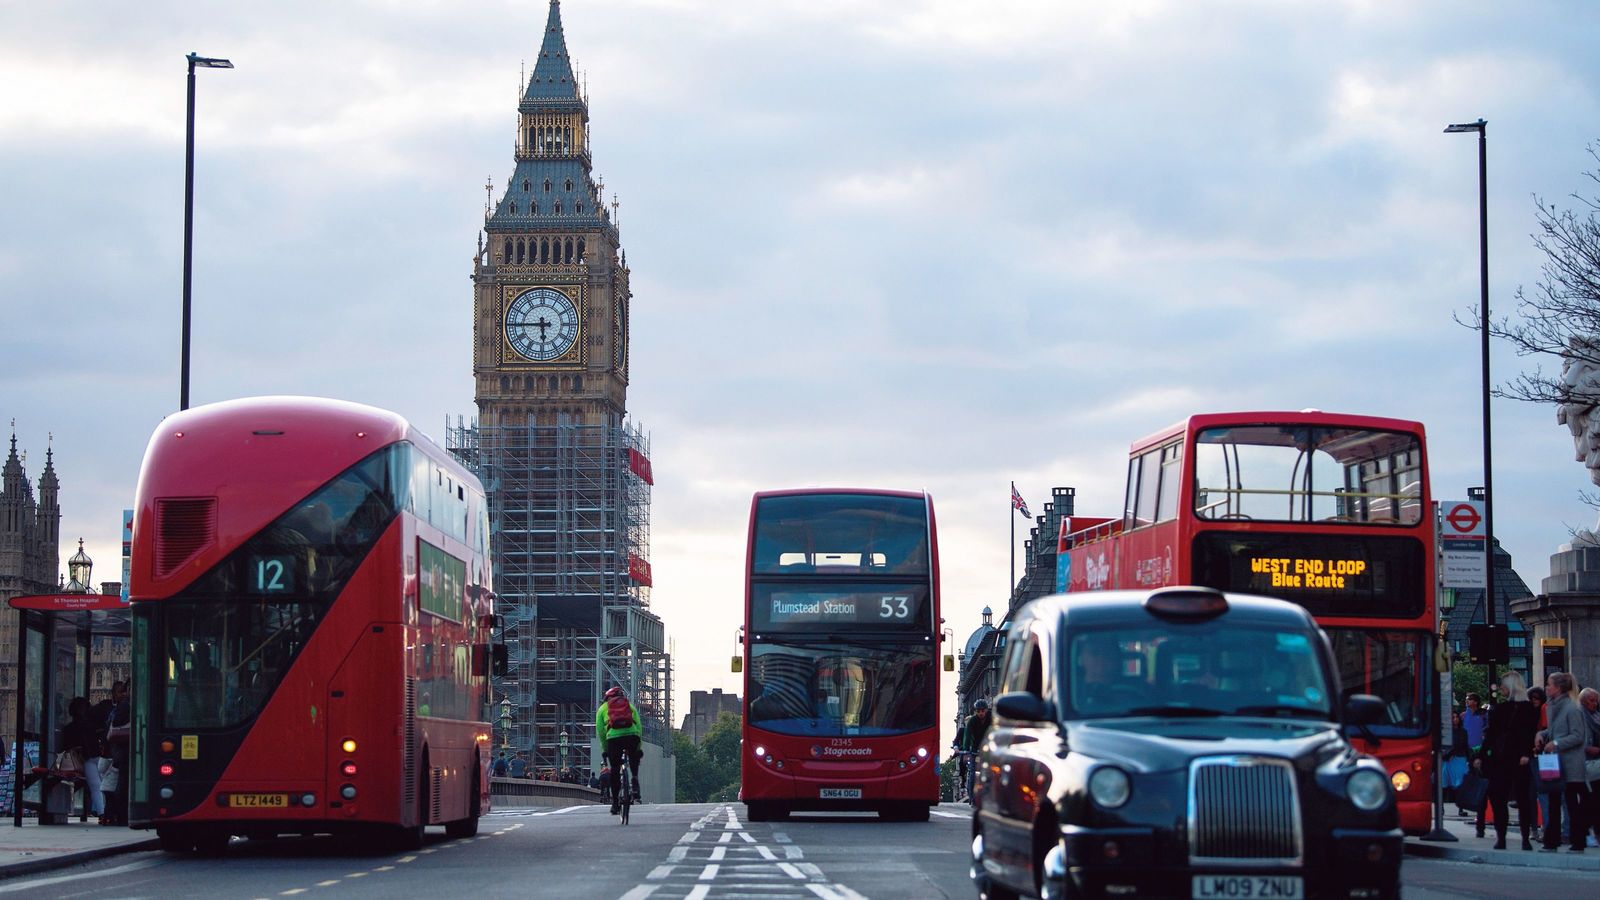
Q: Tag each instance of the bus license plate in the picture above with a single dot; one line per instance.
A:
(256, 801)
(839, 793)
(1251, 887)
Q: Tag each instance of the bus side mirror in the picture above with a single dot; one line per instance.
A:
(738, 664)
(949, 662)
(502, 660)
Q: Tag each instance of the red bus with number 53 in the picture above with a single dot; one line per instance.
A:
(1325, 510)
(312, 614)
(840, 653)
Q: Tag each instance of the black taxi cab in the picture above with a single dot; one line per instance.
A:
(1180, 742)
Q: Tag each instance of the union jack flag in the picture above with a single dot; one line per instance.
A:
(1017, 503)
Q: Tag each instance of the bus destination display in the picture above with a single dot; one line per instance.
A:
(1295, 572)
(883, 607)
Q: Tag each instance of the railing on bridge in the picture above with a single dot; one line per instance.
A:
(514, 792)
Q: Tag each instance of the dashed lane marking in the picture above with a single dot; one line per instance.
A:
(640, 892)
(329, 883)
(34, 883)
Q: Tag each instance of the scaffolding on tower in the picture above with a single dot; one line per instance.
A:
(570, 520)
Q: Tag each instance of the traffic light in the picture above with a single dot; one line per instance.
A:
(1488, 644)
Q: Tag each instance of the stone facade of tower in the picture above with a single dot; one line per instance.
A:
(567, 473)
(30, 557)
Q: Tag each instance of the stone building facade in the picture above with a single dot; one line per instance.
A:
(30, 560)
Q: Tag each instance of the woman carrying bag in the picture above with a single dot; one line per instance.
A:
(80, 749)
(1507, 745)
(1569, 737)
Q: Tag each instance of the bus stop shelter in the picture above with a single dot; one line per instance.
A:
(54, 654)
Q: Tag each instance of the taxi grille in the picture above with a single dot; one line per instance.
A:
(1243, 810)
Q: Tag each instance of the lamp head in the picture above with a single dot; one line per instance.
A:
(208, 62)
(1477, 126)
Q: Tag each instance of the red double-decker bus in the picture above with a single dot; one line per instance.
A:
(1329, 511)
(841, 654)
(311, 626)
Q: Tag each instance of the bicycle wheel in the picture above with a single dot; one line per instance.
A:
(627, 796)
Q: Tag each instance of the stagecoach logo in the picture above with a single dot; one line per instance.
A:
(1096, 572)
(818, 750)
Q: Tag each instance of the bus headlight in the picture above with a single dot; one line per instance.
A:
(1367, 790)
(1109, 787)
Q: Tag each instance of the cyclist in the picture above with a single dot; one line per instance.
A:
(971, 738)
(616, 723)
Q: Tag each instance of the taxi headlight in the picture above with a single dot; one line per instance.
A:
(1109, 787)
(1367, 789)
(1400, 780)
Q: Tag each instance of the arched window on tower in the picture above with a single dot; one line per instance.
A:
(568, 251)
(558, 207)
(566, 138)
(505, 383)
(527, 186)
(569, 185)
(580, 250)
(507, 257)
(521, 249)
(578, 206)
(535, 210)
(547, 185)
(577, 382)
(513, 207)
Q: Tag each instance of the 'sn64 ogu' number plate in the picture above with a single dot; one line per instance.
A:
(839, 793)
(1248, 887)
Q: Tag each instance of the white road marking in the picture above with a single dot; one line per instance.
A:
(329, 883)
(793, 870)
(725, 837)
(384, 869)
(780, 837)
(660, 872)
(834, 892)
(699, 892)
(748, 838)
(790, 851)
(947, 815)
(640, 892)
(358, 875)
(709, 872)
(765, 853)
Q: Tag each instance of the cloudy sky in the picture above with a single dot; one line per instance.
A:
(910, 243)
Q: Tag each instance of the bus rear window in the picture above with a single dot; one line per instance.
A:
(853, 534)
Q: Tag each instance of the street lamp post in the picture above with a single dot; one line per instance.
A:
(204, 62)
(565, 739)
(1481, 127)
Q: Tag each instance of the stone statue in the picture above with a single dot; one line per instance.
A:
(1580, 412)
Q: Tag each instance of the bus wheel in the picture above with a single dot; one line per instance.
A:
(174, 840)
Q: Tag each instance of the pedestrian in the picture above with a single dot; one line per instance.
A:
(1568, 740)
(118, 715)
(1504, 757)
(1474, 718)
(1458, 761)
(81, 735)
(519, 765)
(1589, 699)
(500, 765)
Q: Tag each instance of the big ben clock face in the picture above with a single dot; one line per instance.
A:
(541, 324)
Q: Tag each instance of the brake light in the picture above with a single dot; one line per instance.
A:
(348, 769)
(166, 769)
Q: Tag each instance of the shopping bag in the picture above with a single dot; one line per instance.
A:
(1549, 767)
(109, 776)
(69, 761)
(1472, 793)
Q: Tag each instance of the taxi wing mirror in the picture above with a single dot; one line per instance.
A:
(1363, 709)
(1022, 706)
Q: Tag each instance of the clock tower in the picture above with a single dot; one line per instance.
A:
(567, 471)
(551, 284)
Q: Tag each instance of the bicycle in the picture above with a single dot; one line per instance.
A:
(966, 771)
(625, 788)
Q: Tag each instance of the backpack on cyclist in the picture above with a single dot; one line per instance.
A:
(619, 712)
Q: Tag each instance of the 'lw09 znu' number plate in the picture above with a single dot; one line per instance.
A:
(1248, 887)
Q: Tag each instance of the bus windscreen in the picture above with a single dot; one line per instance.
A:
(867, 534)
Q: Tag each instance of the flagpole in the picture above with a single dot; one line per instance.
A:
(1011, 548)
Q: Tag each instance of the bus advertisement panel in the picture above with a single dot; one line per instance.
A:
(840, 654)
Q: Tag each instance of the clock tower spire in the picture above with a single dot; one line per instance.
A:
(551, 287)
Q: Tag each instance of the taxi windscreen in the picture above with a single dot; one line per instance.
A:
(1193, 669)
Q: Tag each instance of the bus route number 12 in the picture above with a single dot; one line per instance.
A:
(894, 607)
(270, 575)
